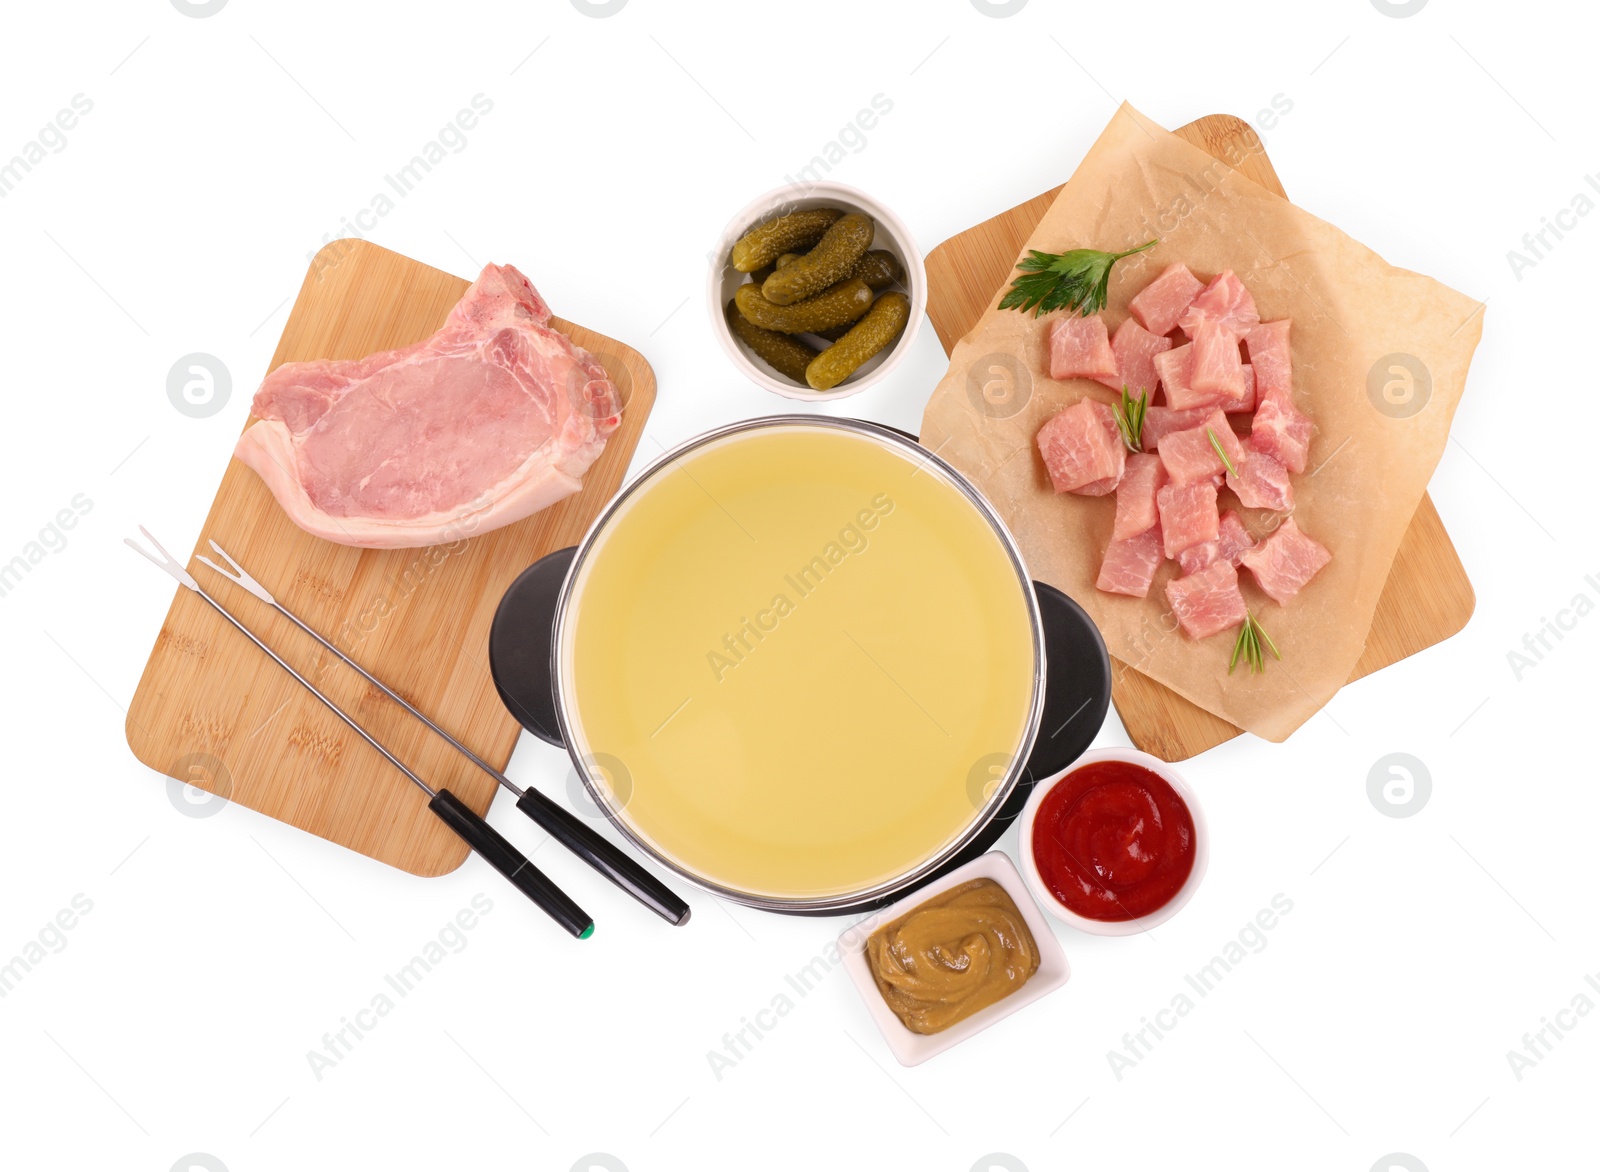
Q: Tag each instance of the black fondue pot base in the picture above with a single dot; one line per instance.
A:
(519, 644)
(1077, 690)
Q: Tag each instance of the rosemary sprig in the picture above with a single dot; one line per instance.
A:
(1249, 644)
(1130, 418)
(1226, 463)
(1064, 280)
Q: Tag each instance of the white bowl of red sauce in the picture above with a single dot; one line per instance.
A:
(1114, 845)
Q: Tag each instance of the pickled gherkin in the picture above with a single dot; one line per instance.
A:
(880, 269)
(880, 327)
(787, 355)
(835, 306)
(831, 261)
(783, 260)
(766, 242)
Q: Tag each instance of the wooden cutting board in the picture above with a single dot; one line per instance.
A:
(212, 710)
(1427, 598)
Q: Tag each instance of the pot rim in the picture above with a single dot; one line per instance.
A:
(842, 902)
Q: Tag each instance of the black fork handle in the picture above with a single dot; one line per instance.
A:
(604, 857)
(510, 862)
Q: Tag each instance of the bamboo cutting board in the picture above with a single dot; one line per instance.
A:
(1427, 598)
(214, 711)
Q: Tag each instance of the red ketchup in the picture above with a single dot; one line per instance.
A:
(1113, 841)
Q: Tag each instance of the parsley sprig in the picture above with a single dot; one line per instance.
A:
(1064, 280)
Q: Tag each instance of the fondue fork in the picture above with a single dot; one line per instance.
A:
(561, 825)
(449, 809)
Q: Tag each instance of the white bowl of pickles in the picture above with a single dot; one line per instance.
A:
(816, 291)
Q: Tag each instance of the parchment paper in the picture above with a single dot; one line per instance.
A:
(1380, 359)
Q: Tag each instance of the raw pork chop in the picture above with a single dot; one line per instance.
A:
(1142, 478)
(1136, 349)
(1207, 602)
(1286, 561)
(488, 421)
(1280, 430)
(1233, 540)
(1160, 304)
(1082, 449)
(1188, 515)
(1079, 349)
(1131, 565)
(1226, 303)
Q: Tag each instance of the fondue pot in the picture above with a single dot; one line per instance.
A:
(799, 660)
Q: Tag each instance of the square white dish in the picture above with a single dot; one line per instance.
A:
(911, 1048)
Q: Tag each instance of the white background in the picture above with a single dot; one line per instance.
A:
(178, 218)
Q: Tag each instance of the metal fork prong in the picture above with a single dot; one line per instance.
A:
(239, 576)
(247, 582)
(146, 554)
(228, 557)
(166, 562)
(161, 549)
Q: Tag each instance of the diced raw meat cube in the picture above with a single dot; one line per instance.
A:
(1079, 348)
(1226, 436)
(1268, 344)
(1130, 565)
(1190, 455)
(1142, 478)
(1136, 348)
(1226, 303)
(1245, 403)
(1215, 368)
(1262, 483)
(1233, 540)
(1208, 602)
(1286, 561)
(1082, 449)
(1188, 515)
(1172, 368)
(1175, 368)
(1281, 430)
(1160, 304)
(1161, 421)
